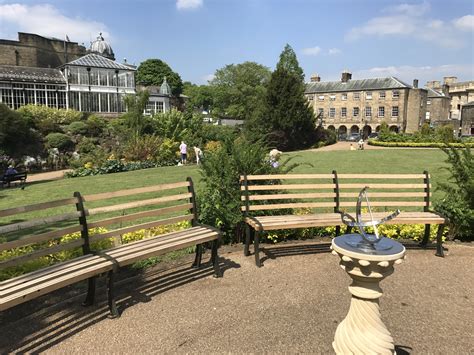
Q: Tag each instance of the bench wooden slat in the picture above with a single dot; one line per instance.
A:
(286, 177)
(382, 186)
(140, 190)
(288, 196)
(288, 187)
(39, 238)
(140, 203)
(289, 205)
(136, 227)
(37, 206)
(384, 194)
(385, 203)
(381, 176)
(39, 222)
(42, 252)
(133, 216)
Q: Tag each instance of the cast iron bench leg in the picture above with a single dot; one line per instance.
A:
(426, 236)
(197, 260)
(247, 240)
(89, 301)
(256, 244)
(111, 296)
(215, 258)
(439, 241)
(338, 230)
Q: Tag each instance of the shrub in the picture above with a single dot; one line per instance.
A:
(458, 202)
(60, 141)
(418, 144)
(142, 148)
(95, 126)
(77, 127)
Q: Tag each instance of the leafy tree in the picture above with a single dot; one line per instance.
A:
(59, 140)
(17, 138)
(134, 117)
(240, 89)
(153, 72)
(199, 97)
(288, 120)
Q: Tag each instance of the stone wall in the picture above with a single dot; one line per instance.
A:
(438, 108)
(415, 109)
(32, 50)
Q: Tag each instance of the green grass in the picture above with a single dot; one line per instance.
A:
(368, 161)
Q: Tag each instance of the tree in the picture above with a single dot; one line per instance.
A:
(239, 90)
(199, 97)
(134, 118)
(153, 72)
(288, 120)
(17, 138)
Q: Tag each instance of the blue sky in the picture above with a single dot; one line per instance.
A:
(372, 38)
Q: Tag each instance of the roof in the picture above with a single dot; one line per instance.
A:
(356, 85)
(434, 93)
(30, 74)
(98, 61)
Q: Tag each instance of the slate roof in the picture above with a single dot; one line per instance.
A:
(98, 61)
(356, 85)
(434, 93)
(30, 74)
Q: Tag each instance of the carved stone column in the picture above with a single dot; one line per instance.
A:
(362, 331)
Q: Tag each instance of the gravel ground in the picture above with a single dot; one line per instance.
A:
(291, 305)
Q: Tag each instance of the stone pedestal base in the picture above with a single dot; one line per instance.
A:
(362, 331)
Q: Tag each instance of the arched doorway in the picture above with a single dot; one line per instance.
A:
(393, 129)
(342, 133)
(377, 129)
(332, 128)
(366, 131)
(354, 129)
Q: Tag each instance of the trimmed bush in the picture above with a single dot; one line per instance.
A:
(60, 141)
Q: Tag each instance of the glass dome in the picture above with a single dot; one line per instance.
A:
(100, 46)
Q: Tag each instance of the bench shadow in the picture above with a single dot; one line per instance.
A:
(403, 350)
(41, 330)
(293, 250)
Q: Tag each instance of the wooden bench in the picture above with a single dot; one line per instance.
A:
(8, 179)
(329, 196)
(150, 207)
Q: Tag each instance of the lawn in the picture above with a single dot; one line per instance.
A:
(368, 161)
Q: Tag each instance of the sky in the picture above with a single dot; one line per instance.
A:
(423, 40)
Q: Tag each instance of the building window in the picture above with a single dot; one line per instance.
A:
(428, 102)
(382, 95)
(344, 97)
(395, 94)
(356, 96)
(355, 112)
(395, 111)
(368, 111)
(368, 96)
(310, 97)
(321, 112)
(343, 112)
(321, 97)
(332, 112)
(332, 97)
(159, 107)
(381, 111)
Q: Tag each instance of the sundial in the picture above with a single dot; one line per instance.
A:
(368, 259)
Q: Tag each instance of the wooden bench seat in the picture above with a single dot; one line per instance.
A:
(267, 223)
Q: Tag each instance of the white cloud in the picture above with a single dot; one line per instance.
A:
(208, 77)
(423, 73)
(311, 51)
(412, 21)
(334, 51)
(188, 4)
(465, 23)
(46, 20)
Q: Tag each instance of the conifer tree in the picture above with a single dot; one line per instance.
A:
(289, 120)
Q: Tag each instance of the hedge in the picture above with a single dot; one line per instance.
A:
(419, 144)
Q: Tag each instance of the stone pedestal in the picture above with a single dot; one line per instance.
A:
(362, 331)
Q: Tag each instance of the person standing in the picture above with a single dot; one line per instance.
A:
(198, 154)
(183, 148)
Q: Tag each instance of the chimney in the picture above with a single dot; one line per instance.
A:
(445, 89)
(448, 80)
(346, 76)
(315, 78)
(415, 83)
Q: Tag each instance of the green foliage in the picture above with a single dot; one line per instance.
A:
(377, 142)
(239, 90)
(217, 133)
(199, 97)
(59, 140)
(441, 134)
(219, 197)
(153, 72)
(111, 166)
(77, 127)
(140, 148)
(134, 118)
(458, 202)
(178, 126)
(95, 125)
(288, 120)
(46, 119)
(17, 138)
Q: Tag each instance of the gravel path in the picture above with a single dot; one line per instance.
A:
(291, 305)
(51, 175)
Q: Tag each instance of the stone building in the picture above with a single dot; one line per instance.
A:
(467, 119)
(32, 50)
(159, 100)
(438, 106)
(360, 106)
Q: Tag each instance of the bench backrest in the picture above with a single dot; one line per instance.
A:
(37, 229)
(16, 176)
(152, 206)
(288, 191)
(386, 191)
